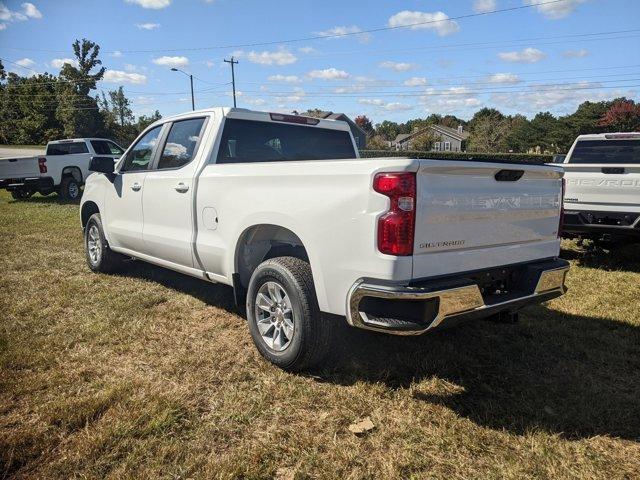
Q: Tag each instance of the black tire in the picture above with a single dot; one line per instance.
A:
(22, 193)
(106, 260)
(70, 189)
(310, 340)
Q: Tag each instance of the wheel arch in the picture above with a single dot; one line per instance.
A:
(88, 208)
(74, 172)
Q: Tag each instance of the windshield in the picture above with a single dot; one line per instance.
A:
(252, 141)
(606, 151)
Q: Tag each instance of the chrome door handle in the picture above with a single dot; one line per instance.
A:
(181, 187)
(136, 186)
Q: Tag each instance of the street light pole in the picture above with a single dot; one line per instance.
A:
(193, 103)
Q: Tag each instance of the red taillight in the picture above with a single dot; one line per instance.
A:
(42, 165)
(561, 222)
(396, 227)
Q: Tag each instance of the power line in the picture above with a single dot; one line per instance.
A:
(322, 37)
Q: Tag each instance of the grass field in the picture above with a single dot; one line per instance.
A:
(152, 374)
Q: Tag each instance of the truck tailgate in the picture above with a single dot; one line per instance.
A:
(472, 215)
(602, 187)
(22, 167)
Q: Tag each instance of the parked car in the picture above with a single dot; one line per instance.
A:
(282, 208)
(63, 168)
(602, 197)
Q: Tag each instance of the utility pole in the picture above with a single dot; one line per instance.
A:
(233, 78)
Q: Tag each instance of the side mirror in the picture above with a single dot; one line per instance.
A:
(102, 165)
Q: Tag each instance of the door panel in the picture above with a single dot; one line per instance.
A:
(168, 195)
(124, 215)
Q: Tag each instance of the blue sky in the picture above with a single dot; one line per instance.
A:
(545, 57)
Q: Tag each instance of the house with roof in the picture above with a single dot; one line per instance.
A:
(447, 139)
(359, 134)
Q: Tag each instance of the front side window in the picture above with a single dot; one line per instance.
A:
(245, 141)
(139, 157)
(606, 151)
(181, 143)
(70, 148)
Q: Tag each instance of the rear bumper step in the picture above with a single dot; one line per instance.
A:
(589, 223)
(413, 310)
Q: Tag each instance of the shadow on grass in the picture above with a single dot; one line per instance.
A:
(618, 257)
(569, 375)
(53, 199)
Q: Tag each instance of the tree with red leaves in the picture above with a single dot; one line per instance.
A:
(364, 123)
(622, 116)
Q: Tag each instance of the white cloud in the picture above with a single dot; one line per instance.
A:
(59, 62)
(483, 6)
(118, 76)
(29, 10)
(284, 78)
(397, 66)
(576, 53)
(556, 10)
(528, 55)
(279, 57)
(328, 74)
(297, 96)
(345, 32)
(173, 62)
(415, 82)
(454, 100)
(437, 21)
(152, 4)
(25, 62)
(256, 102)
(508, 78)
(116, 54)
(387, 106)
(147, 26)
(558, 100)
(307, 50)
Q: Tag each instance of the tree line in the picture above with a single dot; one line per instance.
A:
(39, 108)
(492, 131)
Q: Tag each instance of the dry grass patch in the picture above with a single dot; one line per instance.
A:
(153, 374)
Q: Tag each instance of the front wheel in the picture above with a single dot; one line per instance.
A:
(100, 257)
(283, 314)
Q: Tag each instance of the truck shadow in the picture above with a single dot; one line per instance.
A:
(53, 199)
(624, 258)
(569, 375)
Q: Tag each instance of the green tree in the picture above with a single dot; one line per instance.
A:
(77, 111)
(489, 133)
(365, 124)
(388, 130)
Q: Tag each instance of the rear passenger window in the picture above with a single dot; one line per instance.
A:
(180, 147)
(70, 148)
(102, 147)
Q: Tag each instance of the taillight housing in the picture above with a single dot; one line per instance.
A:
(397, 226)
(42, 164)
(561, 221)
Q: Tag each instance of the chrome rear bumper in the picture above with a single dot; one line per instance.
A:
(453, 302)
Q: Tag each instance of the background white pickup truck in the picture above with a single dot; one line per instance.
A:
(62, 169)
(602, 196)
(281, 208)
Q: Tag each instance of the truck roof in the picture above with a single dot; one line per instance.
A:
(69, 140)
(610, 136)
(246, 114)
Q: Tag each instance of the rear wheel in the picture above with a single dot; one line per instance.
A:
(283, 314)
(70, 189)
(100, 257)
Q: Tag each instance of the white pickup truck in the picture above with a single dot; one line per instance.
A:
(62, 169)
(281, 208)
(602, 197)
